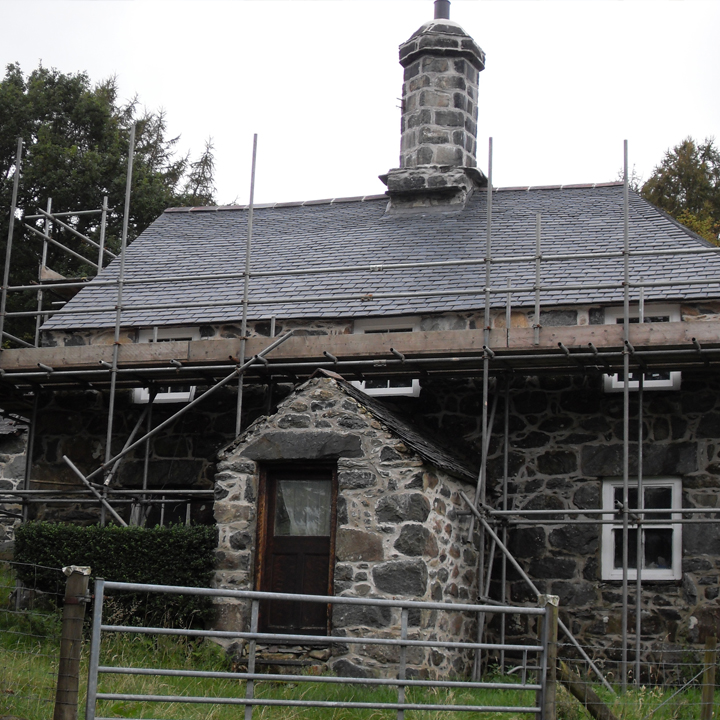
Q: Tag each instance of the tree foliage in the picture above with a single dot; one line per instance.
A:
(75, 145)
(686, 184)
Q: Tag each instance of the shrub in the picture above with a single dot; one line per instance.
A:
(171, 555)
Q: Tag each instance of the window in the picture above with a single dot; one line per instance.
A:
(653, 379)
(389, 386)
(166, 393)
(661, 543)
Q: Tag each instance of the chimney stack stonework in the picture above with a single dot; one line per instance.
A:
(439, 118)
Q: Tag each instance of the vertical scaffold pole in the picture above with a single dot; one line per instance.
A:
(43, 263)
(503, 566)
(8, 247)
(103, 228)
(146, 460)
(480, 494)
(626, 419)
(640, 544)
(246, 288)
(538, 260)
(29, 451)
(640, 541)
(118, 308)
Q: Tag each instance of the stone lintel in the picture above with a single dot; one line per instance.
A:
(303, 445)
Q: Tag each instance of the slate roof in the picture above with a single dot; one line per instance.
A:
(426, 448)
(357, 231)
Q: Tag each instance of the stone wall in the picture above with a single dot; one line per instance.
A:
(520, 317)
(566, 435)
(257, 328)
(180, 457)
(13, 443)
(398, 529)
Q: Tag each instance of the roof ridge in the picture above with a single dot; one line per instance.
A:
(272, 206)
(573, 186)
(382, 196)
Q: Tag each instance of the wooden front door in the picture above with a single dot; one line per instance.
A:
(297, 545)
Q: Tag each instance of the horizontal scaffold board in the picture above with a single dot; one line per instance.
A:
(305, 348)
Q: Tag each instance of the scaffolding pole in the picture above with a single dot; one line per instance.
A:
(98, 246)
(532, 586)
(43, 264)
(119, 308)
(503, 559)
(595, 361)
(626, 422)
(386, 267)
(103, 229)
(363, 297)
(538, 261)
(239, 369)
(640, 542)
(29, 451)
(8, 247)
(480, 491)
(246, 290)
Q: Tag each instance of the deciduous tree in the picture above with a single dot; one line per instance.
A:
(686, 184)
(75, 137)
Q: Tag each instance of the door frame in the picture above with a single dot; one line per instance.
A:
(262, 540)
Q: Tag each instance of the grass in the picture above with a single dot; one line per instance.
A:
(28, 668)
(29, 647)
(185, 655)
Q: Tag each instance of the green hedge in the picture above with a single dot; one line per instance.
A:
(172, 555)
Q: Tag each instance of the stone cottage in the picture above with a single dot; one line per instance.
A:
(521, 336)
(334, 494)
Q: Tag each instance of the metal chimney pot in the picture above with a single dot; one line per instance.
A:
(442, 9)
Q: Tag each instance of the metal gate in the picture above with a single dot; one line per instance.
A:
(532, 658)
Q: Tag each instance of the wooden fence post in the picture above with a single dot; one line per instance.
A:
(76, 589)
(548, 695)
(708, 684)
(583, 693)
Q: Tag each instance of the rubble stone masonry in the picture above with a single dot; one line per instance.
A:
(399, 534)
(13, 443)
(565, 438)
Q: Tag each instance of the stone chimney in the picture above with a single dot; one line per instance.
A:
(439, 117)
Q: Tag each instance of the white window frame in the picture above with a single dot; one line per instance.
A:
(615, 315)
(608, 569)
(166, 334)
(371, 325)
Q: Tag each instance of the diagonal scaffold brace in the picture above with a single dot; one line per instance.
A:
(501, 546)
(238, 371)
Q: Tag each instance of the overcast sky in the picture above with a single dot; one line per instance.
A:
(319, 81)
